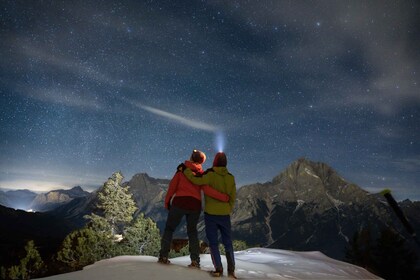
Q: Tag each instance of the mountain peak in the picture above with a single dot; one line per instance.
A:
(77, 188)
(310, 181)
(304, 204)
(145, 179)
(305, 167)
(141, 175)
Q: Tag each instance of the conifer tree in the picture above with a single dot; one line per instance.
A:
(3, 272)
(96, 241)
(387, 257)
(85, 246)
(141, 237)
(98, 224)
(29, 266)
(393, 258)
(116, 202)
(185, 251)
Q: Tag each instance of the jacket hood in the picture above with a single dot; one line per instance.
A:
(221, 170)
(194, 166)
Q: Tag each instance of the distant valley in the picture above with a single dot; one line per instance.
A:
(42, 202)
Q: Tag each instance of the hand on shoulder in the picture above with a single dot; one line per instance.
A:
(181, 167)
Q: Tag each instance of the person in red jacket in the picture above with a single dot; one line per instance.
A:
(184, 199)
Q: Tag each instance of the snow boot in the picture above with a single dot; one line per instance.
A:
(231, 266)
(217, 273)
(163, 260)
(232, 275)
(194, 264)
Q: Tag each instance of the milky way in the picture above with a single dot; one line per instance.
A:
(93, 87)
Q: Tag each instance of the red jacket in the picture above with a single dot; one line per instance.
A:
(181, 186)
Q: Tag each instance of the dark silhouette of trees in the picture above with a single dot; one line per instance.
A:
(388, 256)
(29, 266)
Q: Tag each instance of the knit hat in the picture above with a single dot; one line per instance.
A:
(220, 159)
(198, 156)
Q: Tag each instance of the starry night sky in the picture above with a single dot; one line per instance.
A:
(92, 87)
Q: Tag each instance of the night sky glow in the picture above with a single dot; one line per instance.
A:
(88, 88)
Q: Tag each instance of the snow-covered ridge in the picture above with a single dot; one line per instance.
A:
(254, 263)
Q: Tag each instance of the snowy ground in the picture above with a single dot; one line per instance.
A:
(254, 263)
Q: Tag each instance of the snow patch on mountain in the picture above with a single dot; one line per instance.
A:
(299, 205)
(309, 172)
(337, 203)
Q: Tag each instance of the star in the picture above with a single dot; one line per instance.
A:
(137, 85)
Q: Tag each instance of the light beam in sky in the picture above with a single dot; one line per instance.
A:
(178, 119)
(220, 141)
(218, 133)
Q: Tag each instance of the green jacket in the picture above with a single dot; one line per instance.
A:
(220, 179)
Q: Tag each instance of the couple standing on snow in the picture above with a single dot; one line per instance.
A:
(184, 192)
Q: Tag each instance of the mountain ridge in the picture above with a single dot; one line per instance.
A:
(307, 206)
(50, 200)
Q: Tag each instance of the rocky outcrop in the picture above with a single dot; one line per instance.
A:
(149, 194)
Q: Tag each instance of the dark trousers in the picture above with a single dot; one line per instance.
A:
(175, 216)
(214, 224)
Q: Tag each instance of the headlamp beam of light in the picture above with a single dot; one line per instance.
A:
(179, 119)
(220, 141)
(219, 136)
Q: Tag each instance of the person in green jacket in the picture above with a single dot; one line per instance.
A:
(217, 213)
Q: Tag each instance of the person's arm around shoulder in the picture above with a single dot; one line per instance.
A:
(209, 191)
(202, 180)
